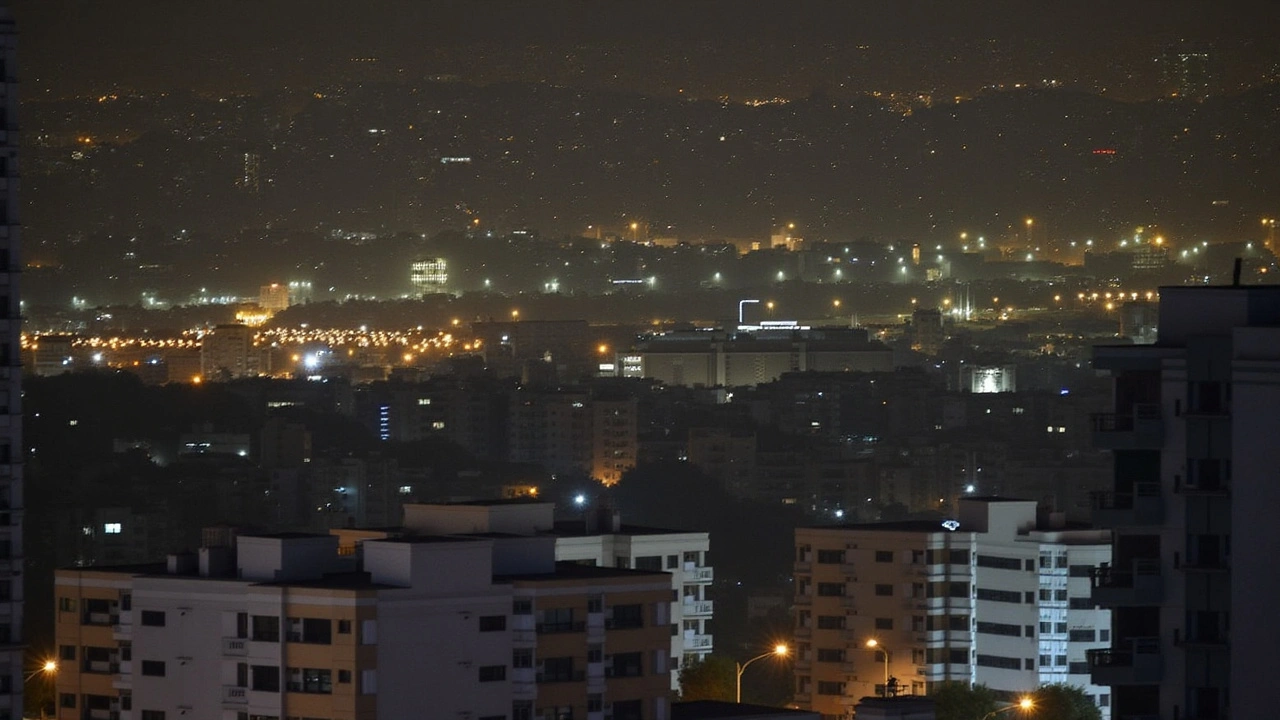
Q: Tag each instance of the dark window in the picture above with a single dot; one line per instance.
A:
(1081, 636)
(493, 673)
(522, 658)
(344, 676)
(999, 563)
(998, 661)
(264, 678)
(1081, 571)
(67, 700)
(1078, 668)
(830, 557)
(626, 617)
(992, 628)
(625, 665)
(1009, 596)
(557, 620)
(835, 655)
(627, 710)
(1080, 603)
(673, 562)
(831, 589)
(556, 670)
(344, 627)
(67, 652)
(493, 623)
(311, 630)
(884, 590)
(521, 607)
(152, 715)
(266, 628)
(153, 668)
(152, 618)
(830, 622)
(649, 562)
(883, 556)
(311, 680)
(829, 687)
(66, 604)
(884, 623)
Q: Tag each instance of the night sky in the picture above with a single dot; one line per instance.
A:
(707, 49)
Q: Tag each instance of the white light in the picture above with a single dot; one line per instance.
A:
(579, 500)
(839, 513)
(970, 488)
(112, 528)
(311, 361)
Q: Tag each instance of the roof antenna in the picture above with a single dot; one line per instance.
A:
(1235, 274)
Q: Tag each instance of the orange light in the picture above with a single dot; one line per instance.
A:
(196, 380)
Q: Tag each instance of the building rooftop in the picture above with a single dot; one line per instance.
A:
(286, 535)
(426, 539)
(336, 581)
(918, 526)
(567, 570)
(578, 528)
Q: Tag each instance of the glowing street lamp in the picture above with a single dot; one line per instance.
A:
(48, 667)
(780, 651)
(875, 646)
(1026, 705)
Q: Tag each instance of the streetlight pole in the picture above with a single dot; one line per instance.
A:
(778, 651)
(875, 646)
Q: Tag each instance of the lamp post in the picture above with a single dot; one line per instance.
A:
(778, 650)
(1026, 704)
(875, 646)
(49, 668)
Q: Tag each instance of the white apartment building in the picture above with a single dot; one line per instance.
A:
(600, 539)
(282, 626)
(996, 596)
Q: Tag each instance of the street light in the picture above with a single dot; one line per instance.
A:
(875, 646)
(1026, 704)
(48, 667)
(778, 650)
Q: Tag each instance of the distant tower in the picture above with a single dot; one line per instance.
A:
(429, 275)
(249, 173)
(11, 638)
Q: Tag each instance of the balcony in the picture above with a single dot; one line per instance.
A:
(804, 599)
(698, 608)
(1136, 661)
(235, 647)
(234, 695)
(804, 567)
(700, 575)
(804, 631)
(1140, 585)
(1141, 508)
(697, 642)
(561, 627)
(1140, 429)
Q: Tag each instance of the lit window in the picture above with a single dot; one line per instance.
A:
(437, 425)
(112, 528)
(424, 401)
(406, 489)
(1061, 429)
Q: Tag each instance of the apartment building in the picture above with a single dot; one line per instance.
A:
(284, 626)
(1193, 435)
(997, 596)
(598, 539)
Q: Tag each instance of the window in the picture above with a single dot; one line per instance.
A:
(993, 628)
(112, 528)
(67, 652)
(1081, 636)
(626, 617)
(67, 700)
(1060, 628)
(595, 702)
(830, 622)
(521, 607)
(884, 623)
(999, 563)
(831, 589)
(828, 687)
(152, 618)
(1104, 700)
(493, 673)
(1080, 571)
(264, 678)
(1060, 595)
(835, 655)
(310, 680)
(623, 710)
(997, 661)
(1029, 664)
(555, 670)
(595, 653)
(523, 658)
(883, 556)
(265, 628)
(522, 710)
(1046, 627)
(1008, 596)
(153, 668)
(344, 627)
(1104, 636)
(649, 562)
(625, 665)
(673, 562)
(884, 590)
(555, 620)
(830, 557)
(344, 677)
(152, 715)
(66, 604)
(317, 631)
(493, 623)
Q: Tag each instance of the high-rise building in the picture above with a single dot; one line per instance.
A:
(11, 497)
(430, 275)
(1193, 433)
(282, 626)
(998, 596)
(274, 297)
(226, 353)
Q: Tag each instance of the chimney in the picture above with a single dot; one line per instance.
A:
(1235, 273)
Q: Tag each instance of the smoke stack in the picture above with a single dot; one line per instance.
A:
(1235, 273)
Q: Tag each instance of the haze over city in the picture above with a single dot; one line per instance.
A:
(638, 360)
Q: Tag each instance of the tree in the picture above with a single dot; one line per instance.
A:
(714, 678)
(1063, 702)
(958, 701)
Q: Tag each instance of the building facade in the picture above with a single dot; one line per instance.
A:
(11, 497)
(1193, 435)
(284, 626)
(996, 597)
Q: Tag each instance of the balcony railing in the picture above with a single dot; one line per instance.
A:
(1144, 506)
(235, 695)
(1140, 429)
(235, 646)
(561, 627)
(1139, 585)
(700, 575)
(1136, 661)
(698, 607)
